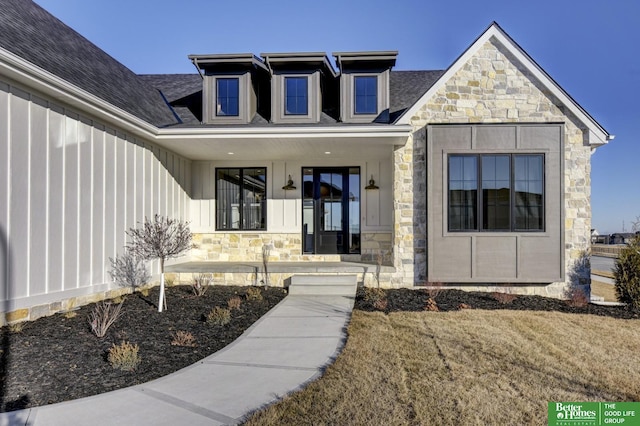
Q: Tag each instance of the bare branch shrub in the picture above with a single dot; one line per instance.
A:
(183, 338)
(464, 306)
(376, 297)
(161, 238)
(577, 298)
(129, 271)
(219, 316)
(431, 305)
(381, 304)
(201, 283)
(104, 314)
(504, 297)
(253, 293)
(234, 302)
(434, 289)
(124, 356)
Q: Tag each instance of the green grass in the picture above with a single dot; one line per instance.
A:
(467, 367)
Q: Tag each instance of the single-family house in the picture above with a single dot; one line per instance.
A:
(475, 176)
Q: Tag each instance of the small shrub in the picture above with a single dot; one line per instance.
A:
(124, 356)
(201, 283)
(431, 305)
(464, 306)
(434, 289)
(626, 273)
(373, 295)
(234, 302)
(576, 297)
(219, 316)
(253, 293)
(381, 304)
(183, 338)
(16, 327)
(504, 298)
(104, 314)
(128, 271)
(69, 314)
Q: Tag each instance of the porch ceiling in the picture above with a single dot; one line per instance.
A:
(283, 144)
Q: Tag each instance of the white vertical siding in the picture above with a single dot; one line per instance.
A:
(85, 210)
(98, 206)
(69, 190)
(4, 194)
(70, 203)
(55, 205)
(38, 198)
(18, 194)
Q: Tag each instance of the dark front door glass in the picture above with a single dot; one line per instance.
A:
(331, 210)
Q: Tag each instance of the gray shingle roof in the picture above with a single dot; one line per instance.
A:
(406, 88)
(174, 86)
(35, 35)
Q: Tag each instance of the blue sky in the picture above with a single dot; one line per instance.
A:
(589, 47)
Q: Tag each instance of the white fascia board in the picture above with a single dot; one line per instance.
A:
(391, 131)
(34, 77)
(600, 136)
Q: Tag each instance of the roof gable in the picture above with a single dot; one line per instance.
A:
(33, 34)
(598, 135)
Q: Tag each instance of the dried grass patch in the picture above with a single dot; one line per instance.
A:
(608, 291)
(468, 367)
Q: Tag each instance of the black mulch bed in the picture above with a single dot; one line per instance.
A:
(56, 358)
(450, 300)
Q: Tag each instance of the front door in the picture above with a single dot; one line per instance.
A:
(331, 210)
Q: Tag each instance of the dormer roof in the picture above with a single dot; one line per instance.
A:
(381, 59)
(298, 61)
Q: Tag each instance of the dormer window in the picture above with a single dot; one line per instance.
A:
(232, 88)
(365, 94)
(364, 85)
(296, 95)
(227, 94)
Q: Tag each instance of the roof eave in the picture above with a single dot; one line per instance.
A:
(30, 75)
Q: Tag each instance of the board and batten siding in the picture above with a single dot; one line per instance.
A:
(69, 190)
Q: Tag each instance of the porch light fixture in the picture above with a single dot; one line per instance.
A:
(372, 184)
(289, 186)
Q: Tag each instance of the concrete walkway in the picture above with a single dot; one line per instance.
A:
(283, 351)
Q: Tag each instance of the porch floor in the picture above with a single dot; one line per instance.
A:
(276, 267)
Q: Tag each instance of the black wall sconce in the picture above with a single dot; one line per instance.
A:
(289, 186)
(372, 184)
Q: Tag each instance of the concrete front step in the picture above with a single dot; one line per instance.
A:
(325, 285)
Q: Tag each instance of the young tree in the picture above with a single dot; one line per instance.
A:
(161, 238)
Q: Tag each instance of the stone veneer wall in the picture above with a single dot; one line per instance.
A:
(492, 87)
(247, 247)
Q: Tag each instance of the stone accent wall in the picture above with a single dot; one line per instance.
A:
(374, 245)
(492, 87)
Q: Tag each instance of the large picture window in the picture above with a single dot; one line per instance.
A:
(496, 192)
(241, 196)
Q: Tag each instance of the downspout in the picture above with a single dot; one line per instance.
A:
(194, 61)
(266, 61)
(339, 60)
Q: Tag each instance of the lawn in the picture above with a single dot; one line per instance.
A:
(467, 367)
(608, 291)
